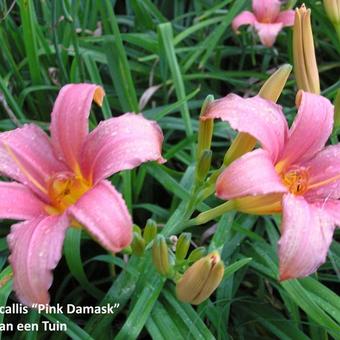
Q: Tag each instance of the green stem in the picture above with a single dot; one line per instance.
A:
(183, 217)
(209, 188)
(211, 214)
(337, 29)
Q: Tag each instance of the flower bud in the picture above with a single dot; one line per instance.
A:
(205, 129)
(203, 165)
(138, 244)
(150, 231)
(160, 255)
(182, 246)
(242, 144)
(201, 279)
(290, 4)
(332, 8)
(273, 86)
(305, 67)
(196, 254)
(270, 90)
(136, 229)
(127, 250)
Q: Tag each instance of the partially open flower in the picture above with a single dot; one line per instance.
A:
(201, 279)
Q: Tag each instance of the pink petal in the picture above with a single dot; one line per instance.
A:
(18, 202)
(69, 122)
(251, 174)
(36, 248)
(266, 10)
(311, 128)
(121, 143)
(26, 155)
(268, 32)
(104, 214)
(244, 18)
(261, 118)
(324, 174)
(286, 18)
(307, 232)
(332, 207)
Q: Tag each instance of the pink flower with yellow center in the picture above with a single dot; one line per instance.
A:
(292, 172)
(61, 181)
(267, 20)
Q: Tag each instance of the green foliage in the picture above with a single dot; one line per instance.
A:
(164, 57)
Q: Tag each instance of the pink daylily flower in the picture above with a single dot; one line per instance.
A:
(292, 172)
(267, 20)
(60, 181)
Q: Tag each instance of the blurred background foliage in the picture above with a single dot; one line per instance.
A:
(162, 58)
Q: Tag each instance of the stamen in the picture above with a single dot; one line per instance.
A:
(325, 182)
(296, 180)
(23, 170)
(65, 189)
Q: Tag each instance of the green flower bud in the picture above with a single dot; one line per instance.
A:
(290, 4)
(150, 231)
(136, 229)
(160, 255)
(201, 279)
(182, 246)
(203, 165)
(205, 130)
(332, 8)
(196, 254)
(127, 250)
(138, 244)
(274, 85)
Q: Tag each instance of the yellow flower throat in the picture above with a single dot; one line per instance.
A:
(296, 180)
(65, 189)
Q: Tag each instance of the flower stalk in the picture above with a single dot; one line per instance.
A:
(211, 214)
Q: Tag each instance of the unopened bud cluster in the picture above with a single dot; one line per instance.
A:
(196, 276)
(142, 239)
